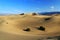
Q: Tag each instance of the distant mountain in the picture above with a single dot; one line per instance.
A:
(48, 13)
(4, 14)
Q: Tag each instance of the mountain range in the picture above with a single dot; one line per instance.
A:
(48, 13)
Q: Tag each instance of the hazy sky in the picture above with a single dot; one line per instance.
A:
(19, 6)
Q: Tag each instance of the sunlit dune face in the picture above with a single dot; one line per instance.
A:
(36, 25)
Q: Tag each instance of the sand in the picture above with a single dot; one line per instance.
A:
(12, 27)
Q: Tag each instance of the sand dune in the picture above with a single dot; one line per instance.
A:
(29, 27)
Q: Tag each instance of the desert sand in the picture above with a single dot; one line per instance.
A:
(29, 27)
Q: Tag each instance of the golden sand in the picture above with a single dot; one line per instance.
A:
(12, 27)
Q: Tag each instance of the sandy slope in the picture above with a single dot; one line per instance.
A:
(11, 27)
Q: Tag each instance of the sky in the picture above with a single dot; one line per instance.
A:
(25, 6)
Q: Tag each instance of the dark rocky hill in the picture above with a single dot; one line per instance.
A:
(48, 13)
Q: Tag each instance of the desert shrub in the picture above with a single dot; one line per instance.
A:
(34, 14)
(26, 29)
(41, 28)
(46, 19)
(22, 14)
